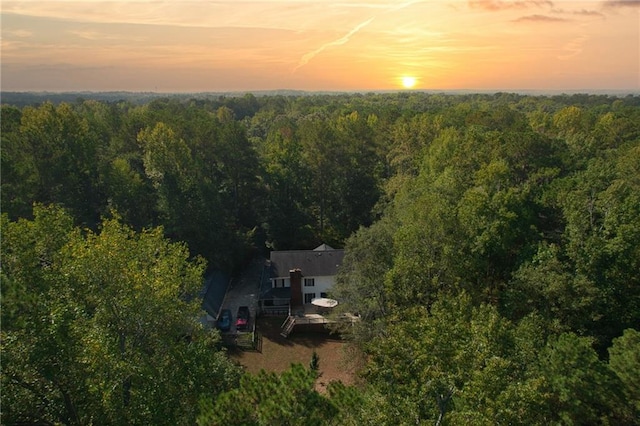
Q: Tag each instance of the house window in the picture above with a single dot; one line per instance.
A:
(278, 283)
(323, 294)
(308, 297)
(309, 282)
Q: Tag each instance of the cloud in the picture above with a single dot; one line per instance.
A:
(539, 18)
(342, 40)
(403, 5)
(495, 5)
(386, 7)
(87, 35)
(212, 14)
(615, 4)
(581, 12)
(585, 12)
(20, 33)
(103, 36)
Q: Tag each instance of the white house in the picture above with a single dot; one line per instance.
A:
(299, 276)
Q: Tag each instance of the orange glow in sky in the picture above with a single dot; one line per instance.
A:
(238, 45)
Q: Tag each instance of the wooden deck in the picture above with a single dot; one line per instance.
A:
(310, 315)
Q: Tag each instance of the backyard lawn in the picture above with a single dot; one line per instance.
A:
(278, 353)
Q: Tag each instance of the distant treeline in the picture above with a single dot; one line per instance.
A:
(22, 99)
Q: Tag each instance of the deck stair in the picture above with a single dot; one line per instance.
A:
(287, 326)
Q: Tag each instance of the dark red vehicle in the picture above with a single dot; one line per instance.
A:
(242, 319)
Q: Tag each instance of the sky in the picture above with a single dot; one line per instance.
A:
(331, 45)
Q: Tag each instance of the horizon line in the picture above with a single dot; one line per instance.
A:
(322, 91)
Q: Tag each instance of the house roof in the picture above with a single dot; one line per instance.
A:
(213, 292)
(320, 262)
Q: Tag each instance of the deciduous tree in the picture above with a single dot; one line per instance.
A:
(108, 329)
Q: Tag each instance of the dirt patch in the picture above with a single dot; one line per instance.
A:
(278, 353)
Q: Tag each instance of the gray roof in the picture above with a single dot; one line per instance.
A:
(215, 288)
(320, 262)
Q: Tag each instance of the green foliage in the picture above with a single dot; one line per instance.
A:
(456, 362)
(288, 220)
(581, 388)
(266, 398)
(105, 327)
(314, 365)
(540, 224)
(461, 364)
(52, 157)
(551, 287)
(358, 287)
(483, 234)
(129, 193)
(29, 248)
(624, 360)
(362, 406)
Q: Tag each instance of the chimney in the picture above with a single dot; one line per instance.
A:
(295, 276)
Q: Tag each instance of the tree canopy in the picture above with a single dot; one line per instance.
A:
(103, 327)
(492, 253)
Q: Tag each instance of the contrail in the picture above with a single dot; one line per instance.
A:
(342, 40)
(403, 5)
(309, 56)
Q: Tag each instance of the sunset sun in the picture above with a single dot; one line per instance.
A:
(408, 82)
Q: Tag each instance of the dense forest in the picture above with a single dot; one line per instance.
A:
(492, 252)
